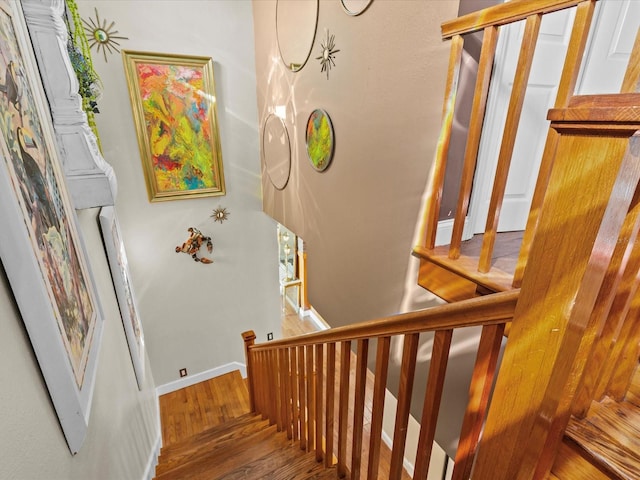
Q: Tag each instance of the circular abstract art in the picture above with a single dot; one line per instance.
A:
(319, 139)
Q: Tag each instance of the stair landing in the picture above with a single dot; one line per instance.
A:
(459, 279)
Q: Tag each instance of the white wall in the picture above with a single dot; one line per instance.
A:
(124, 423)
(192, 313)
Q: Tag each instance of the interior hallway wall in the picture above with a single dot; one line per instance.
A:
(192, 313)
(384, 96)
(124, 422)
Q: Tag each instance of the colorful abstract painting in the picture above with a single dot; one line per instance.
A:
(319, 138)
(174, 108)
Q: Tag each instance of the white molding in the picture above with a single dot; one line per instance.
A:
(150, 471)
(315, 317)
(90, 179)
(445, 231)
(201, 377)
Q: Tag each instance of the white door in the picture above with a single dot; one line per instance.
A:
(607, 54)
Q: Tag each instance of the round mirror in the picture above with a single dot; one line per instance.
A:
(355, 7)
(276, 151)
(296, 29)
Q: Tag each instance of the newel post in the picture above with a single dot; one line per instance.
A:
(249, 338)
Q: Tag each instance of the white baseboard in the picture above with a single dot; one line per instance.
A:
(314, 317)
(201, 377)
(150, 471)
(408, 466)
(445, 230)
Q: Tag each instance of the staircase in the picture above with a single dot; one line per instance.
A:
(563, 402)
(243, 448)
(240, 446)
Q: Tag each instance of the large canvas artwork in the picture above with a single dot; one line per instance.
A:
(174, 109)
(124, 290)
(40, 246)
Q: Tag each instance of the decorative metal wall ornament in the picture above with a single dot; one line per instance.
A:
(102, 36)
(192, 246)
(220, 214)
(327, 53)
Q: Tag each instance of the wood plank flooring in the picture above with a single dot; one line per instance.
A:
(610, 434)
(191, 410)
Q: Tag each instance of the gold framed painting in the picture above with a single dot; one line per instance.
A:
(174, 110)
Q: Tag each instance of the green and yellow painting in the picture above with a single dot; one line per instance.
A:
(320, 141)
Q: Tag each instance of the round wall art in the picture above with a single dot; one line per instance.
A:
(319, 138)
(276, 151)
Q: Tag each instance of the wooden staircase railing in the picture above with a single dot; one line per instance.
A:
(295, 384)
(441, 265)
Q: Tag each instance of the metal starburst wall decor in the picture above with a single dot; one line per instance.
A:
(327, 53)
(220, 214)
(102, 36)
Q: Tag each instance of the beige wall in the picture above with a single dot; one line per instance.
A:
(192, 313)
(123, 426)
(384, 97)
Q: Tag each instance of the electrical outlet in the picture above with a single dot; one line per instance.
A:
(270, 336)
(183, 372)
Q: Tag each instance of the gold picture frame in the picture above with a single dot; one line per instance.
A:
(173, 102)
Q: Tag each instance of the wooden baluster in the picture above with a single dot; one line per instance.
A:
(282, 396)
(484, 372)
(274, 411)
(286, 379)
(358, 407)
(311, 403)
(432, 398)
(294, 394)
(343, 411)
(618, 289)
(529, 40)
(377, 408)
(473, 139)
(442, 149)
(249, 338)
(318, 394)
(302, 379)
(407, 372)
(330, 403)
(566, 88)
(264, 382)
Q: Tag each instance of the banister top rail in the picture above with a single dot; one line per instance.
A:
(487, 310)
(502, 14)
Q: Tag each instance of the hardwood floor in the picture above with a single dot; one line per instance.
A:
(194, 416)
(610, 434)
(191, 410)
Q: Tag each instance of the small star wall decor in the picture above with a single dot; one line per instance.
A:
(220, 214)
(327, 53)
(102, 36)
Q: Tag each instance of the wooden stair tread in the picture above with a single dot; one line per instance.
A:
(211, 465)
(610, 435)
(496, 280)
(233, 427)
(264, 467)
(209, 443)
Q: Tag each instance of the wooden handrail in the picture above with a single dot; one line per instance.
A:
(488, 310)
(288, 379)
(502, 14)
